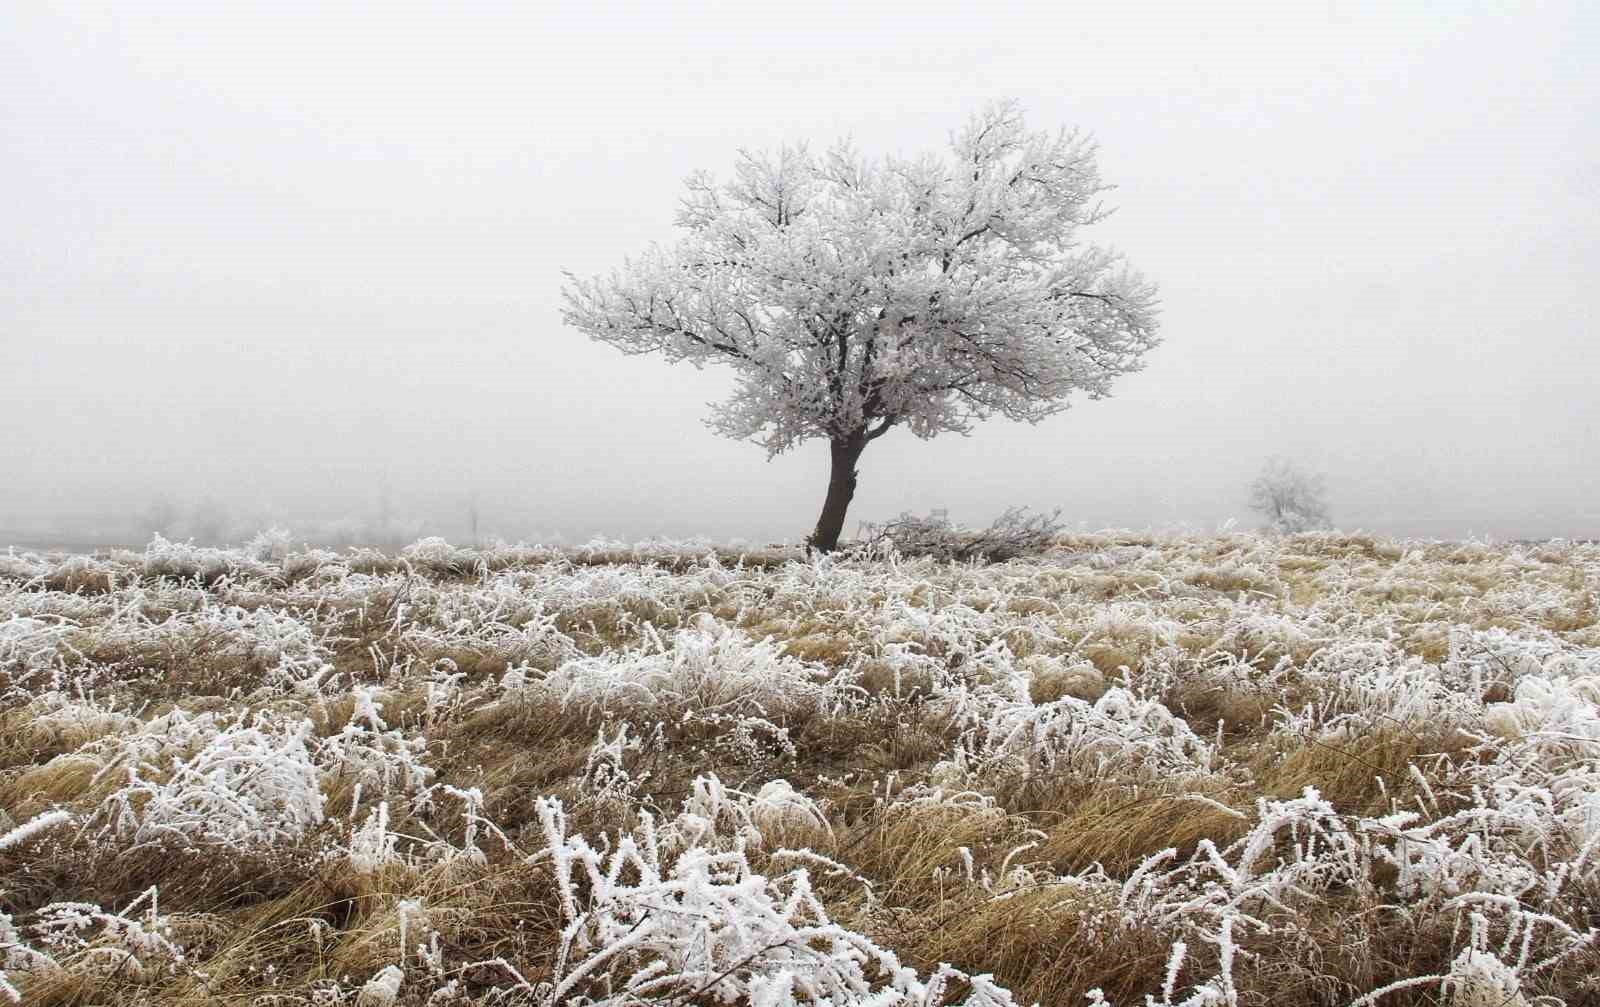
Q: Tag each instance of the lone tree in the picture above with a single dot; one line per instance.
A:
(851, 296)
(1290, 498)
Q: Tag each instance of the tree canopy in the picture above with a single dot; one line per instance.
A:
(851, 296)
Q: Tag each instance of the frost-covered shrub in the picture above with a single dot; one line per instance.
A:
(77, 718)
(313, 564)
(81, 575)
(1265, 637)
(1013, 534)
(1360, 685)
(373, 758)
(778, 807)
(250, 784)
(1495, 660)
(29, 644)
(23, 567)
(440, 558)
(508, 617)
(187, 561)
(223, 645)
(1478, 978)
(680, 912)
(1560, 717)
(1119, 734)
(271, 545)
(713, 810)
(82, 937)
(35, 827)
(264, 636)
(708, 669)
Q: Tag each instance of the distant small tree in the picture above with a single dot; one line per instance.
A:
(853, 296)
(1290, 498)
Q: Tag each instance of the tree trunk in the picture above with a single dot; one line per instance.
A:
(841, 487)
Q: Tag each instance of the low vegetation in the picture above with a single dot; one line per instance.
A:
(1014, 534)
(1130, 770)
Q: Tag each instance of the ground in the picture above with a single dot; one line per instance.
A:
(1232, 769)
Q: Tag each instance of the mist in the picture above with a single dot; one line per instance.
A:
(301, 264)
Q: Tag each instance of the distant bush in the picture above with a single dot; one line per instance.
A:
(187, 561)
(440, 558)
(272, 545)
(1013, 534)
(1289, 498)
(83, 574)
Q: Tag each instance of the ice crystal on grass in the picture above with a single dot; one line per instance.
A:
(34, 827)
(270, 545)
(437, 556)
(373, 847)
(251, 784)
(606, 777)
(1120, 733)
(29, 644)
(372, 757)
(187, 561)
(102, 942)
(382, 989)
(16, 958)
(652, 920)
(706, 670)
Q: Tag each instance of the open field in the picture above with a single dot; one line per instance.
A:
(1137, 769)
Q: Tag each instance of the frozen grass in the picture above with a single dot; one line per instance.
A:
(1131, 770)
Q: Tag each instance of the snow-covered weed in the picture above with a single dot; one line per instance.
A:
(34, 827)
(1119, 734)
(29, 644)
(187, 561)
(648, 922)
(372, 758)
(707, 669)
(251, 784)
(84, 937)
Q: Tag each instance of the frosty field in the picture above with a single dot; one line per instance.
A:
(1134, 770)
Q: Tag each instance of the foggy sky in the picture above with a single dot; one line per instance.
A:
(285, 256)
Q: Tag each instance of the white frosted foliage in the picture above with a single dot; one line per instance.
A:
(853, 295)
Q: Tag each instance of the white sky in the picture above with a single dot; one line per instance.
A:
(281, 254)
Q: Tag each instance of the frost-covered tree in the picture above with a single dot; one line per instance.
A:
(851, 296)
(1289, 498)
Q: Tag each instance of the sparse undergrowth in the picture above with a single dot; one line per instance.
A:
(1132, 770)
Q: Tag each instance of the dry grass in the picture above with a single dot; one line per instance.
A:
(984, 866)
